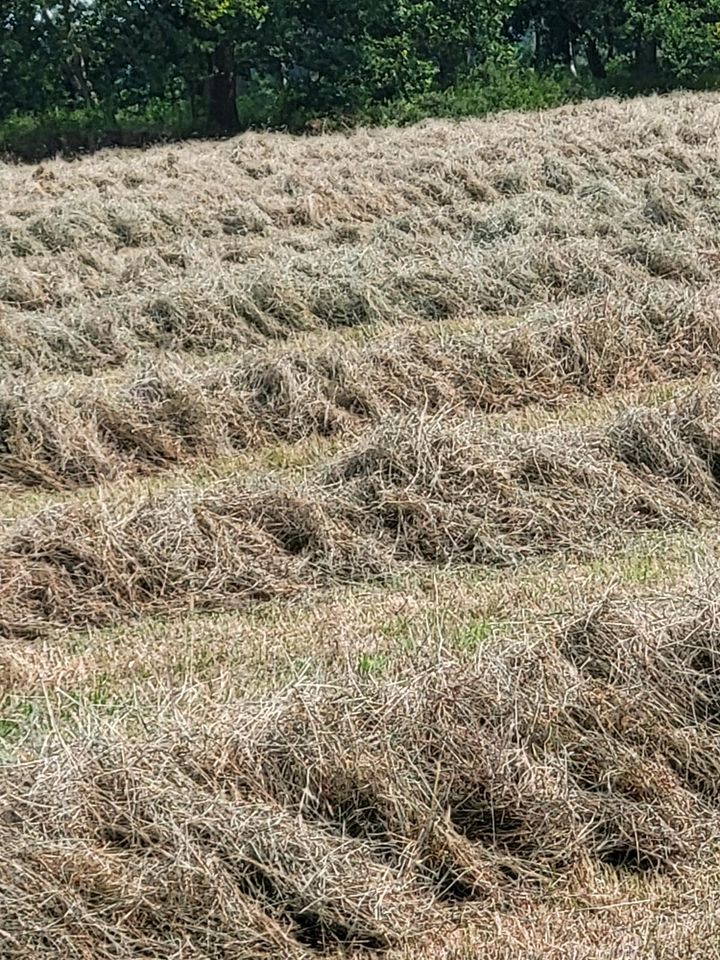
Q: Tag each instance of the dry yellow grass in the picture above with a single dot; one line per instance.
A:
(126, 254)
(360, 501)
(576, 771)
(426, 490)
(57, 435)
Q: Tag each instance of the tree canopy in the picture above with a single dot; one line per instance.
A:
(325, 57)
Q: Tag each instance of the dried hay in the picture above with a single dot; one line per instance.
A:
(55, 436)
(357, 815)
(412, 491)
(390, 226)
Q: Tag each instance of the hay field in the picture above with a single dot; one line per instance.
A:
(359, 514)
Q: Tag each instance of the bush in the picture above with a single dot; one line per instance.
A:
(505, 84)
(35, 136)
(501, 87)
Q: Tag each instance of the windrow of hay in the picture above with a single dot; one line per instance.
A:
(129, 199)
(53, 436)
(523, 259)
(361, 814)
(212, 308)
(125, 252)
(414, 490)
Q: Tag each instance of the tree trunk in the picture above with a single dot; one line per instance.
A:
(570, 54)
(609, 32)
(77, 77)
(73, 67)
(222, 105)
(594, 59)
(563, 33)
(538, 49)
(646, 55)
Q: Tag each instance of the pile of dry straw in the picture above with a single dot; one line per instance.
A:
(410, 491)
(364, 814)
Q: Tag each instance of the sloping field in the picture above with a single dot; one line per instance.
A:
(211, 248)
(359, 511)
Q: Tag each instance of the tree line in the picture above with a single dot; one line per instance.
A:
(285, 61)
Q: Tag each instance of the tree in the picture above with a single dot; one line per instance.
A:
(146, 51)
(35, 43)
(688, 33)
(225, 30)
(69, 18)
(563, 28)
(308, 58)
(331, 56)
